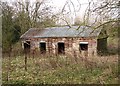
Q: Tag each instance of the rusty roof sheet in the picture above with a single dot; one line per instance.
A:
(65, 31)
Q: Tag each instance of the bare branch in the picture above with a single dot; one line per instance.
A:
(106, 23)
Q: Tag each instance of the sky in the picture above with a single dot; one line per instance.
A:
(60, 3)
(80, 7)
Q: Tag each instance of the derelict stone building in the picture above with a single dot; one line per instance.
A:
(65, 40)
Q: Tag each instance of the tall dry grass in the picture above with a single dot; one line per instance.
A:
(69, 68)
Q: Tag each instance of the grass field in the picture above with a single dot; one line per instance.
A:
(60, 70)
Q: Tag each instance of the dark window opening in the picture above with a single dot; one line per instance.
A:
(61, 48)
(27, 46)
(84, 47)
(43, 48)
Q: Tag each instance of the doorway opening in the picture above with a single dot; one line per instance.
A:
(61, 48)
(27, 46)
(42, 47)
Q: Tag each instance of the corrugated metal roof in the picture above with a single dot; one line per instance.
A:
(65, 31)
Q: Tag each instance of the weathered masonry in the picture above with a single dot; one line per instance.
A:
(65, 40)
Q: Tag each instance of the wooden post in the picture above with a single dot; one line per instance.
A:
(25, 51)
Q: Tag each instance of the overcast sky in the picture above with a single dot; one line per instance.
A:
(58, 4)
(80, 7)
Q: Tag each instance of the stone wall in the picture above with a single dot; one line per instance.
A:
(71, 45)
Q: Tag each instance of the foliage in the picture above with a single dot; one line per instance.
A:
(10, 33)
(16, 34)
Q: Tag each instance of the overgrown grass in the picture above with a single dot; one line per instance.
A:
(61, 70)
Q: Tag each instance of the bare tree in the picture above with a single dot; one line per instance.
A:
(103, 12)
